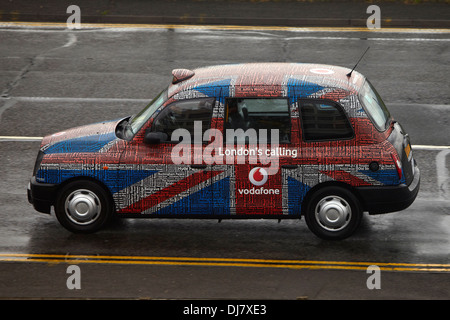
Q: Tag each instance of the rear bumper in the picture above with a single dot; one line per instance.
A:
(41, 195)
(384, 199)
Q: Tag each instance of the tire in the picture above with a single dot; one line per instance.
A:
(333, 213)
(83, 207)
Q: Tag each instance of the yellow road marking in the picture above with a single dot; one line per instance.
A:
(221, 262)
(221, 27)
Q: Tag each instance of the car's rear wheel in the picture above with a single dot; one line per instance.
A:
(333, 213)
(83, 206)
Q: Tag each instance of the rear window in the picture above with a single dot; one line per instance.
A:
(258, 114)
(324, 120)
(374, 106)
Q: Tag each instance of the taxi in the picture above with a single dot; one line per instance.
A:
(254, 140)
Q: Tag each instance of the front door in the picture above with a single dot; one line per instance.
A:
(169, 178)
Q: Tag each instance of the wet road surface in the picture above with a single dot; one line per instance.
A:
(53, 79)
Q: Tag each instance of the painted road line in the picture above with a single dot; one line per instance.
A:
(19, 139)
(220, 262)
(443, 180)
(87, 26)
(75, 99)
(368, 39)
(427, 147)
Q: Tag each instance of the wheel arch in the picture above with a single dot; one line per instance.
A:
(325, 184)
(85, 178)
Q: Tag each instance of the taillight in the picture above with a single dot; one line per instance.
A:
(398, 164)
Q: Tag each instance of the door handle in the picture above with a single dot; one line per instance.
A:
(198, 166)
(289, 166)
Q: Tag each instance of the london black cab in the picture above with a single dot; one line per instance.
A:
(261, 140)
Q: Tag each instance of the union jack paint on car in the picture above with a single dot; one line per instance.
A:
(262, 140)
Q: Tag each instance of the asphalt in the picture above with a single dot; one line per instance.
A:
(52, 79)
(300, 13)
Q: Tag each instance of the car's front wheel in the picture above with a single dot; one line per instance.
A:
(83, 206)
(333, 213)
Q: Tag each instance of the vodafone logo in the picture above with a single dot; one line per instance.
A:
(258, 176)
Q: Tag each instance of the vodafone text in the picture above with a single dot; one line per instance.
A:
(258, 177)
(259, 191)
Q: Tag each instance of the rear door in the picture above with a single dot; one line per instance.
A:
(257, 142)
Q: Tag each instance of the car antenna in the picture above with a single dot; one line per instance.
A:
(350, 73)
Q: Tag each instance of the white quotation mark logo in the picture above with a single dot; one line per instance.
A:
(374, 21)
(74, 21)
(258, 176)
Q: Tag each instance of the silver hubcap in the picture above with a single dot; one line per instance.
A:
(83, 207)
(333, 213)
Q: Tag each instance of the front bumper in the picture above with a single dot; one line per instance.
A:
(41, 195)
(384, 199)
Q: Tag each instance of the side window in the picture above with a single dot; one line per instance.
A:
(256, 114)
(324, 120)
(182, 114)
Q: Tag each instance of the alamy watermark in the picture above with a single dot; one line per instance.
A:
(74, 280)
(374, 20)
(374, 280)
(74, 21)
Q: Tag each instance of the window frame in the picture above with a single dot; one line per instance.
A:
(288, 101)
(160, 113)
(130, 132)
(332, 102)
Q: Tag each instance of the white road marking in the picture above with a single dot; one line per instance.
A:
(443, 180)
(428, 147)
(76, 99)
(19, 139)
(72, 40)
(6, 106)
(21, 26)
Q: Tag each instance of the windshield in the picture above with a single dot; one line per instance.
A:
(374, 106)
(136, 122)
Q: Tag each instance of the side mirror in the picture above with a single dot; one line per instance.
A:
(155, 137)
